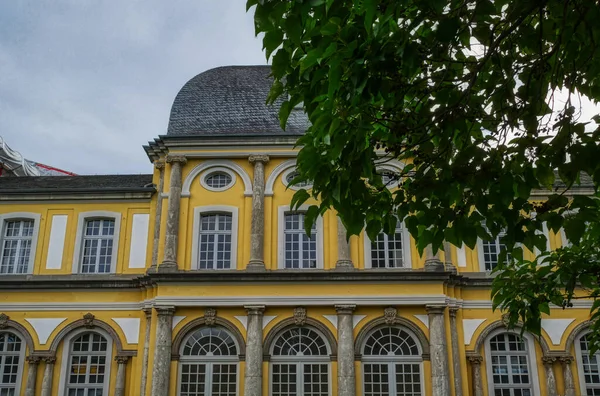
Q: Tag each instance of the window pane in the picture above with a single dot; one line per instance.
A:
(300, 250)
(214, 246)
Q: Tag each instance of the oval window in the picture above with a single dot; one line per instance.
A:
(291, 176)
(218, 180)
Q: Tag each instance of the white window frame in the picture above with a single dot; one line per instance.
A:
(281, 212)
(274, 359)
(284, 176)
(198, 212)
(21, 367)
(217, 169)
(81, 221)
(406, 250)
(579, 359)
(391, 360)
(390, 169)
(36, 217)
(64, 367)
(531, 356)
(209, 362)
(480, 255)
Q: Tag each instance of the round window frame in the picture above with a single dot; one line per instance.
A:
(389, 169)
(284, 176)
(217, 169)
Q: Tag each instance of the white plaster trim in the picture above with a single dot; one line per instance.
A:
(185, 191)
(555, 328)
(138, 247)
(240, 154)
(65, 359)
(198, 211)
(243, 319)
(406, 253)
(275, 173)
(487, 304)
(36, 217)
(424, 319)
(56, 244)
(461, 255)
(83, 216)
(469, 328)
(130, 327)
(43, 327)
(531, 360)
(333, 319)
(218, 169)
(268, 319)
(394, 167)
(356, 319)
(69, 306)
(177, 320)
(281, 239)
(284, 176)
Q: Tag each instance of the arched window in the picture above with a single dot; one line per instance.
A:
(589, 367)
(208, 363)
(508, 364)
(392, 363)
(12, 351)
(300, 363)
(89, 365)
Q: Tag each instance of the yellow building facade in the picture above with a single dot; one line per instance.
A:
(198, 279)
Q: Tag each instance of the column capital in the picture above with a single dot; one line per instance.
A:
(147, 312)
(180, 159)
(548, 360)
(33, 359)
(435, 309)
(475, 359)
(345, 309)
(164, 310)
(566, 359)
(258, 158)
(49, 359)
(159, 164)
(120, 359)
(452, 311)
(254, 309)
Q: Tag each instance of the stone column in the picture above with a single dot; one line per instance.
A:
(568, 375)
(440, 375)
(432, 261)
(161, 370)
(146, 356)
(254, 351)
(48, 375)
(345, 330)
(172, 232)
(456, 364)
(160, 165)
(344, 261)
(448, 265)
(550, 379)
(120, 382)
(475, 361)
(257, 226)
(33, 361)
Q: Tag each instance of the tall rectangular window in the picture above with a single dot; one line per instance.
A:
(491, 251)
(387, 251)
(300, 250)
(16, 246)
(215, 241)
(98, 242)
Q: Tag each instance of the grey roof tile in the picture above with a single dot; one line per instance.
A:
(76, 183)
(231, 100)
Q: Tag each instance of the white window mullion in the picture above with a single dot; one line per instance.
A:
(215, 243)
(208, 379)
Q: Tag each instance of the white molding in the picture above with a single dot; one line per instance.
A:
(36, 217)
(240, 154)
(268, 319)
(284, 176)
(424, 319)
(177, 320)
(487, 304)
(70, 306)
(275, 173)
(469, 328)
(555, 328)
(356, 319)
(185, 191)
(393, 166)
(130, 327)
(531, 357)
(83, 216)
(217, 169)
(138, 246)
(62, 385)
(406, 253)
(332, 319)
(461, 255)
(243, 319)
(198, 211)
(281, 210)
(56, 244)
(44, 327)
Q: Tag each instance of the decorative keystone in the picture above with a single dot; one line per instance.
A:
(210, 316)
(300, 316)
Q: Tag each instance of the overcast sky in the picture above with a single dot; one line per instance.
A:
(85, 83)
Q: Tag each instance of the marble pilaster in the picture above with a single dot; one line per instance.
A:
(254, 351)
(172, 231)
(257, 225)
(440, 374)
(161, 369)
(345, 332)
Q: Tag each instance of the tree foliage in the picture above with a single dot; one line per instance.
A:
(465, 94)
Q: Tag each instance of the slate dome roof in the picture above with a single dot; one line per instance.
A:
(230, 101)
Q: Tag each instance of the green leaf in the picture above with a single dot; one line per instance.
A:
(272, 40)
(284, 113)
